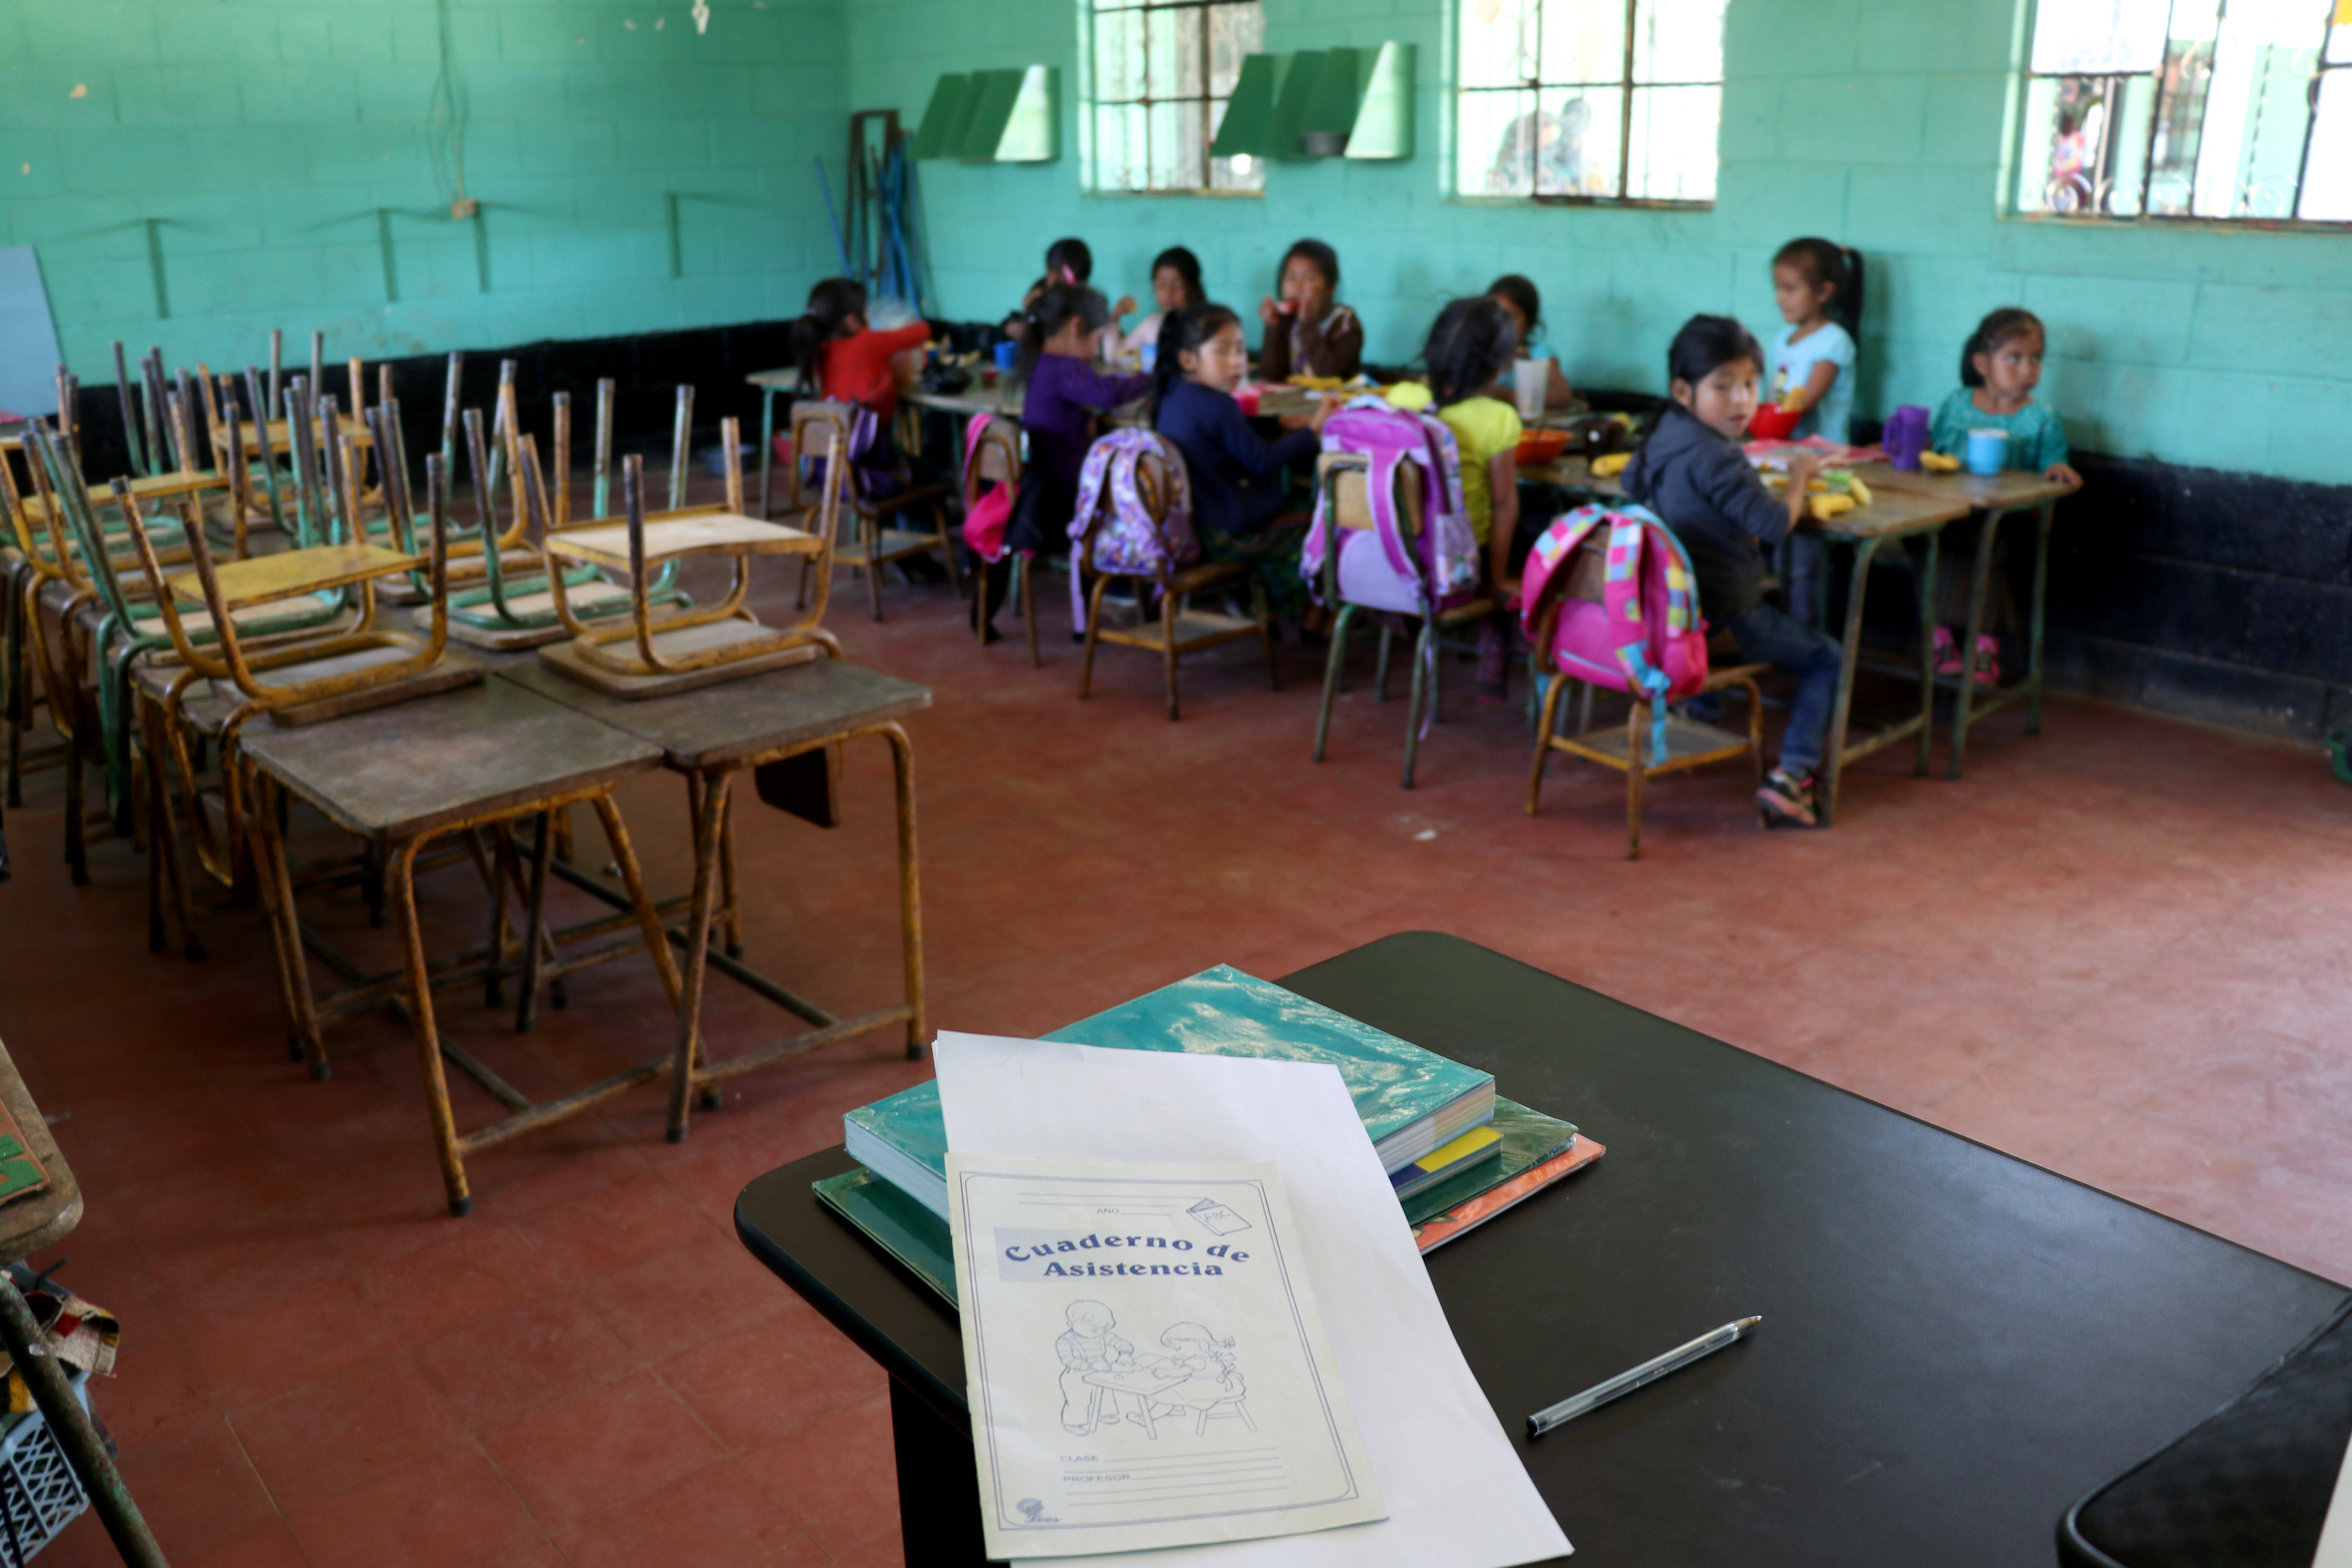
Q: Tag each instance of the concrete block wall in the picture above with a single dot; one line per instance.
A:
(194, 172)
(1879, 125)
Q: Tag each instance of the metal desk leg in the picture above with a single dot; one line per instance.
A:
(1927, 652)
(1964, 705)
(2041, 603)
(306, 1041)
(400, 871)
(1833, 753)
(767, 446)
(709, 817)
(910, 900)
(75, 1434)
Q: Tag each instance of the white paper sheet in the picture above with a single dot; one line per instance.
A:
(1455, 1490)
(2335, 1535)
(1147, 1364)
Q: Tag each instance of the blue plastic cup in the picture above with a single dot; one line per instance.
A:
(1006, 352)
(1149, 353)
(1987, 450)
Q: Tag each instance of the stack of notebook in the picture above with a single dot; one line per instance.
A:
(1456, 1154)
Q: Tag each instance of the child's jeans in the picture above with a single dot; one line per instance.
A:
(1803, 560)
(1767, 636)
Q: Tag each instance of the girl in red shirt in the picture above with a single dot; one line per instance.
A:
(842, 357)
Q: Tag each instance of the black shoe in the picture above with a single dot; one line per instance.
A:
(1788, 800)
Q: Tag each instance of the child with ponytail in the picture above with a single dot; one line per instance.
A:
(841, 358)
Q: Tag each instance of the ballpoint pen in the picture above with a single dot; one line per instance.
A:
(1600, 1393)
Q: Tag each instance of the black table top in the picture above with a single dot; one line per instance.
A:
(1956, 1343)
(734, 720)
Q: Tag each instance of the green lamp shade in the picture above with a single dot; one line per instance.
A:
(1383, 123)
(1318, 103)
(940, 135)
(1290, 116)
(1247, 127)
(998, 117)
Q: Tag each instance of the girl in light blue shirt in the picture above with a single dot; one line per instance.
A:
(2000, 365)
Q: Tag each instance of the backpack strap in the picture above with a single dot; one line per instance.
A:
(1627, 535)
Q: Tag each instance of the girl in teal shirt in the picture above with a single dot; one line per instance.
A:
(2000, 368)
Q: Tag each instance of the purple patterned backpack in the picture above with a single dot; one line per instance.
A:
(1128, 541)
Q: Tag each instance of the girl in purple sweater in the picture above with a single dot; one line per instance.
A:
(1065, 396)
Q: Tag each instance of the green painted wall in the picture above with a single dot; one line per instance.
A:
(194, 172)
(1880, 124)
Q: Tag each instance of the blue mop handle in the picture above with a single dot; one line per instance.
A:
(824, 186)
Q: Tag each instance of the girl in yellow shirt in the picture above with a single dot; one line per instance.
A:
(1470, 350)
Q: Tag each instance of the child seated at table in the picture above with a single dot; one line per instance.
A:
(1519, 296)
(2000, 364)
(1238, 477)
(1816, 283)
(1087, 1345)
(1307, 331)
(1470, 350)
(1064, 395)
(1068, 261)
(1691, 471)
(841, 358)
(1175, 284)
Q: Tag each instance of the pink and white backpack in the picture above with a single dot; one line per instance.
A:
(1383, 568)
(1647, 637)
(1128, 542)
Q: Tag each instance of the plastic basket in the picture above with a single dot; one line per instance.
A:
(39, 1494)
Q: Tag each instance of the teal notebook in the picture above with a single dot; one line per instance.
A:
(1412, 1101)
(918, 1238)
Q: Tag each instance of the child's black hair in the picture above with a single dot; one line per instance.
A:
(1180, 260)
(1707, 344)
(1318, 256)
(2009, 321)
(1068, 261)
(1184, 331)
(1824, 261)
(1471, 342)
(830, 305)
(1520, 291)
(1057, 308)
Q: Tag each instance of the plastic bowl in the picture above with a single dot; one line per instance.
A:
(1772, 423)
(1541, 445)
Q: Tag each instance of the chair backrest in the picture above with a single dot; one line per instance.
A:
(1349, 477)
(992, 446)
(813, 426)
(1396, 474)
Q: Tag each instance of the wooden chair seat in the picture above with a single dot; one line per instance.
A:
(1627, 748)
(874, 544)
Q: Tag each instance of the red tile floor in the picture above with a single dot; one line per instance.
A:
(2117, 950)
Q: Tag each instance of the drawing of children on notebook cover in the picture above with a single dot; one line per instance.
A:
(1087, 1345)
(1210, 1377)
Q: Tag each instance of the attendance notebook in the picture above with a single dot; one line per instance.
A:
(1413, 1100)
(1537, 1150)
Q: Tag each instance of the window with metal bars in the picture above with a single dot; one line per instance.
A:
(2218, 109)
(1589, 100)
(1159, 77)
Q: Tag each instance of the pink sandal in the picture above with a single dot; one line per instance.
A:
(1947, 652)
(1986, 662)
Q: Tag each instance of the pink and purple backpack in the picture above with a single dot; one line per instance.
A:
(1647, 637)
(1128, 542)
(1383, 568)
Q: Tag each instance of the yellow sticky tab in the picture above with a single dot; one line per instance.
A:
(1461, 1149)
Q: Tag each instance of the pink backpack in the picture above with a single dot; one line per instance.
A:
(1382, 568)
(985, 517)
(1128, 541)
(1647, 637)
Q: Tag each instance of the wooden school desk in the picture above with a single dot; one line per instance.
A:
(1956, 1345)
(710, 735)
(1995, 498)
(1892, 515)
(401, 776)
